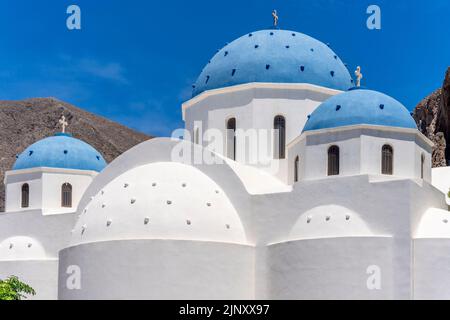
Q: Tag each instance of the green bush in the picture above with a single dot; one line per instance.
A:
(14, 289)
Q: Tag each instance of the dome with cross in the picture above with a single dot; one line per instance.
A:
(358, 107)
(274, 56)
(60, 151)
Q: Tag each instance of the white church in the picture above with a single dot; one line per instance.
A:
(291, 181)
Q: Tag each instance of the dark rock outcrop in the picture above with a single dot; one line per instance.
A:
(24, 122)
(432, 116)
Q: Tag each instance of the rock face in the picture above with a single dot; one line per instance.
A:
(432, 116)
(24, 122)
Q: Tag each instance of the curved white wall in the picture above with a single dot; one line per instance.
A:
(158, 269)
(335, 268)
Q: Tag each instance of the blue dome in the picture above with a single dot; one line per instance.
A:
(360, 107)
(60, 151)
(277, 56)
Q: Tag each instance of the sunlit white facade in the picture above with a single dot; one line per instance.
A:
(289, 184)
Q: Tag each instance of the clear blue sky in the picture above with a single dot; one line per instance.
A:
(134, 61)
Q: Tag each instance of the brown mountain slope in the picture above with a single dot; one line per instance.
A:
(24, 122)
(432, 115)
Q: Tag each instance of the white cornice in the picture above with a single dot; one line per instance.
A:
(415, 132)
(256, 85)
(50, 170)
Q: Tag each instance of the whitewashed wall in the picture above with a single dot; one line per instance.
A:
(441, 180)
(360, 152)
(13, 191)
(159, 269)
(52, 190)
(285, 256)
(45, 188)
(36, 265)
(254, 106)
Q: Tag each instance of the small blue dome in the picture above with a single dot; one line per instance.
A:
(60, 151)
(360, 107)
(277, 56)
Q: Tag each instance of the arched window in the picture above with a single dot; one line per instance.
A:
(25, 195)
(279, 125)
(296, 165)
(66, 195)
(422, 165)
(333, 161)
(231, 138)
(387, 159)
(196, 135)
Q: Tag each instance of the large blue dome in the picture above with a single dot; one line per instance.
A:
(360, 107)
(60, 151)
(278, 56)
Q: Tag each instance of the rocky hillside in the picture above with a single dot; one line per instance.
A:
(433, 118)
(24, 122)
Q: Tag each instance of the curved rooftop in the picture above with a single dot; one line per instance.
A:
(329, 221)
(434, 223)
(21, 248)
(360, 107)
(60, 151)
(159, 201)
(274, 56)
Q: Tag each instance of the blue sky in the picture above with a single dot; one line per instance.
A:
(134, 61)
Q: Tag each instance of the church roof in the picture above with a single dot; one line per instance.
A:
(60, 151)
(162, 200)
(274, 56)
(360, 106)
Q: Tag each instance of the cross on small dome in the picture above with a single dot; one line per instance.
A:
(63, 123)
(359, 76)
(275, 18)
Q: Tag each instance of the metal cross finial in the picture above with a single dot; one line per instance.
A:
(359, 76)
(275, 18)
(63, 123)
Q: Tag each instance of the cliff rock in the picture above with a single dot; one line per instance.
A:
(432, 116)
